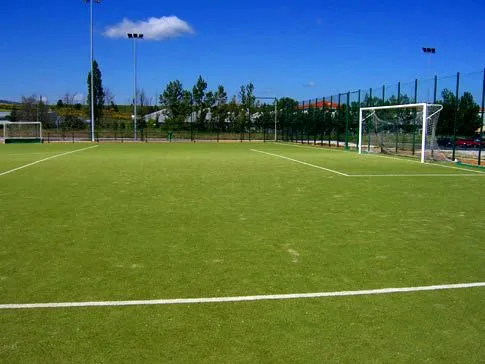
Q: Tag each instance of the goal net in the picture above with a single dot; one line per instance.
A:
(21, 132)
(406, 130)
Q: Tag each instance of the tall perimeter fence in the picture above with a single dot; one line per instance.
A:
(333, 121)
(330, 121)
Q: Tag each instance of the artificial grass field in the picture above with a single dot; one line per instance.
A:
(152, 221)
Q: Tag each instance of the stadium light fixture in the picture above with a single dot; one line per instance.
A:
(429, 50)
(92, 60)
(134, 36)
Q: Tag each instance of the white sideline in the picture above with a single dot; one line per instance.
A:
(301, 162)
(403, 159)
(176, 301)
(45, 159)
(420, 175)
(324, 148)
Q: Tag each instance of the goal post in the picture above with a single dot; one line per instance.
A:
(21, 132)
(407, 130)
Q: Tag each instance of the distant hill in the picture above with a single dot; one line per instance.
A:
(7, 102)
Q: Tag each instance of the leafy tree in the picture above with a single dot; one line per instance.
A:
(60, 104)
(200, 101)
(177, 103)
(265, 118)
(287, 104)
(33, 109)
(208, 106)
(220, 110)
(98, 92)
(467, 114)
(468, 117)
(233, 111)
(109, 97)
(248, 100)
(13, 114)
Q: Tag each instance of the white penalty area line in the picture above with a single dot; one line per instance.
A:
(301, 162)
(177, 301)
(45, 159)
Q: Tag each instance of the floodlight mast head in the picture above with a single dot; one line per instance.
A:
(429, 50)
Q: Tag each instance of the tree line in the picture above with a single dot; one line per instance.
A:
(203, 109)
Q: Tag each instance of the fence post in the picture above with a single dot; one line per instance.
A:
(414, 119)
(456, 114)
(399, 103)
(322, 119)
(330, 123)
(369, 103)
(347, 112)
(483, 121)
(357, 137)
(339, 115)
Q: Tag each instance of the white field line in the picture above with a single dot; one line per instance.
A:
(45, 159)
(301, 162)
(420, 175)
(44, 153)
(176, 301)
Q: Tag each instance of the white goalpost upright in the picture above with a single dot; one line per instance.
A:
(21, 132)
(408, 130)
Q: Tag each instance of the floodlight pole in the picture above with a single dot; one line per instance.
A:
(135, 36)
(92, 61)
(275, 114)
(430, 51)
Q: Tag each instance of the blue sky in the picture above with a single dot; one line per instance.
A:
(303, 49)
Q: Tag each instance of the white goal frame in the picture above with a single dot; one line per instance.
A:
(419, 106)
(5, 135)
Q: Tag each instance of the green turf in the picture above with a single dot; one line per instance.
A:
(150, 221)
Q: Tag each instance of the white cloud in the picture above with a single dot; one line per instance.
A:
(310, 84)
(153, 28)
(78, 98)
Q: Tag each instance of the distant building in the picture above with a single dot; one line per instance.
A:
(318, 105)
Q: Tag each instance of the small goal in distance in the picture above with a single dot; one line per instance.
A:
(21, 132)
(406, 130)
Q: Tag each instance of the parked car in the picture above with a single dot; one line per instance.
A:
(445, 142)
(467, 143)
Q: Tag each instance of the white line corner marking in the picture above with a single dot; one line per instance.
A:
(176, 301)
(45, 159)
(301, 162)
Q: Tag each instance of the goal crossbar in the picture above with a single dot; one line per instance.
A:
(404, 106)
